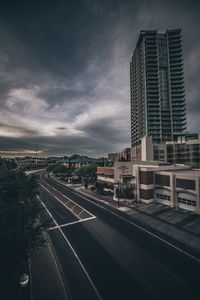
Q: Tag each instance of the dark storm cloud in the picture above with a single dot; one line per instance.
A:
(106, 128)
(57, 145)
(24, 131)
(59, 94)
(64, 70)
(61, 128)
(56, 36)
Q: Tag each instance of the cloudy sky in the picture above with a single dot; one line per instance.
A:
(64, 70)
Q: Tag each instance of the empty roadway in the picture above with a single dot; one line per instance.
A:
(112, 258)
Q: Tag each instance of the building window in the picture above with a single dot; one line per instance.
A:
(163, 180)
(185, 184)
(146, 177)
(164, 97)
(163, 197)
(186, 201)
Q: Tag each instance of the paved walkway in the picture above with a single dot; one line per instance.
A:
(47, 282)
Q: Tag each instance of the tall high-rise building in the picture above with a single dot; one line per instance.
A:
(157, 87)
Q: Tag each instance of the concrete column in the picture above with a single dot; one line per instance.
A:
(173, 202)
(198, 195)
(137, 173)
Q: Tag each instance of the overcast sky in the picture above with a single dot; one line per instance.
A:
(64, 70)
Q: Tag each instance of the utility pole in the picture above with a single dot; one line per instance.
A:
(118, 195)
(36, 158)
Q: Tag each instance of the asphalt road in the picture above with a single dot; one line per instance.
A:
(104, 256)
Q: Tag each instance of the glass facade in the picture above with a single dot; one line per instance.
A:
(164, 94)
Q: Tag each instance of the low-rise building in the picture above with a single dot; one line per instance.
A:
(105, 178)
(177, 186)
(185, 149)
(124, 155)
(112, 156)
(185, 152)
(82, 161)
(173, 185)
(123, 180)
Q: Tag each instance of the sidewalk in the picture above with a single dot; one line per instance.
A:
(181, 226)
(46, 280)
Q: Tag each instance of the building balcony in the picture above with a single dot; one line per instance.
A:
(180, 122)
(153, 73)
(177, 72)
(153, 108)
(175, 55)
(166, 126)
(177, 75)
(152, 97)
(175, 91)
(177, 87)
(151, 52)
(177, 80)
(175, 84)
(179, 110)
(175, 41)
(178, 98)
(175, 46)
(152, 80)
(150, 44)
(176, 63)
(175, 50)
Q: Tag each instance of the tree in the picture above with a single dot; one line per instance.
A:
(88, 171)
(60, 168)
(51, 167)
(21, 220)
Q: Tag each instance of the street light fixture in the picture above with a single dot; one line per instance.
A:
(24, 279)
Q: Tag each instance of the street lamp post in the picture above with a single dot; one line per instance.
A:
(118, 195)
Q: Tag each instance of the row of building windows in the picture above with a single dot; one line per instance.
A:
(180, 200)
(163, 197)
(186, 201)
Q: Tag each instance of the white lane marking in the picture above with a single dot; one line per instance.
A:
(56, 264)
(138, 226)
(69, 199)
(71, 223)
(59, 201)
(74, 252)
(30, 274)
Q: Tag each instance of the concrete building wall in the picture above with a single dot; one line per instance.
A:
(146, 148)
(123, 178)
(184, 196)
(175, 186)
